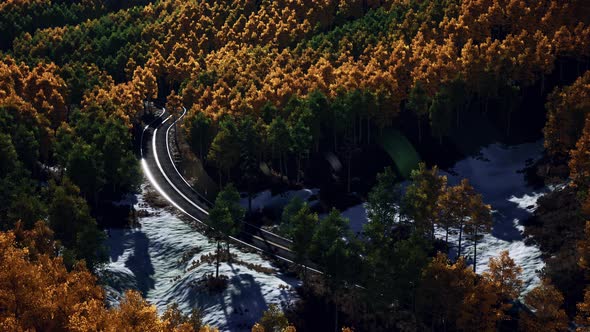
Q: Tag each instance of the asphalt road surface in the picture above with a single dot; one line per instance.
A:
(158, 165)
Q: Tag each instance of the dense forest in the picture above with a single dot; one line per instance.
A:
(270, 88)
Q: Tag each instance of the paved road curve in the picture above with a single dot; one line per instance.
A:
(158, 165)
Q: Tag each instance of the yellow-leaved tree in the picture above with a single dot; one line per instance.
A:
(38, 293)
(546, 314)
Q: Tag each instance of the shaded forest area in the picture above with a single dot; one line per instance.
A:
(300, 79)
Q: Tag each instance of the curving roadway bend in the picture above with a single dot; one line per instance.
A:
(158, 166)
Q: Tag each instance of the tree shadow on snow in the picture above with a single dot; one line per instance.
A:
(246, 300)
(242, 303)
(117, 242)
(140, 263)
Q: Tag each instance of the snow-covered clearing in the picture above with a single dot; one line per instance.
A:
(157, 260)
(495, 173)
(150, 258)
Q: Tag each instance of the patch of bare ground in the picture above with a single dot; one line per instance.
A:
(226, 257)
(154, 199)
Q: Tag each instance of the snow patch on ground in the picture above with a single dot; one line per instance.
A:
(265, 199)
(149, 259)
(495, 173)
(357, 216)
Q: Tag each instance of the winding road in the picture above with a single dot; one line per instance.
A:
(158, 166)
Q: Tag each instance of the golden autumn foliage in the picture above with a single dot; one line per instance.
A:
(36, 96)
(38, 293)
(40, 89)
(579, 163)
(545, 302)
(133, 314)
(505, 275)
(583, 312)
(254, 64)
(483, 301)
(444, 285)
(231, 57)
(235, 57)
(124, 100)
(46, 92)
(479, 310)
(174, 103)
(584, 249)
(567, 108)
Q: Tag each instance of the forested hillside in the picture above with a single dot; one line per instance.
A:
(271, 88)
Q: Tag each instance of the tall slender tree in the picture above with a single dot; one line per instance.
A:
(504, 274)
(382, 209)
(545, 301)
(200, 133)
(225, 219)
(418, 102)
(583, 312)
(250, 138)
(479, 223)
(455, 205)
(300, 136)
(337, 251)
(174, 106)
(421, 197)
(221, 223)
(579, 164)
(443, 286)
(302, 229)
(225, 148)
(279, 140)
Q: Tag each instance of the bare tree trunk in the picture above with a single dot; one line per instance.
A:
(217, 264)
(460, 236)
(475, 251)
(201, 146)
(335, 317)
(368, 130)
(360, 132)
(348, 173)
(433, 229)
(286, 169)
(354, 130)
(298, 167)
(419, 129)
(304, 274)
